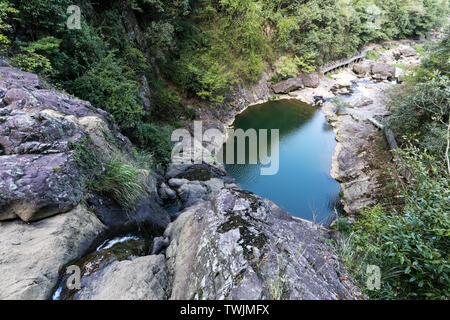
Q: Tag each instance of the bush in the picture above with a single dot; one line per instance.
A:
(7, 11)
(106, 87)
(121, 181)
(411, 246)
(156, 139)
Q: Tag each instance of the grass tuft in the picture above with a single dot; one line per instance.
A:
(122, 182)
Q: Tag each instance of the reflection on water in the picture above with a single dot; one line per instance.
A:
(303, 185)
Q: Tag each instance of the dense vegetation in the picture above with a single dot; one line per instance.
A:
(191, 52)
(410, 240)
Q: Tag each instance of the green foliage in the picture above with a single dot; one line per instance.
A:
(85, 157)
(372, 55)
(422, 110)
(106, 86)
(121, 181)
(156, 139)
(287, 67)
(343, 226)
(32, 62)
(7, 12)
(37, 54)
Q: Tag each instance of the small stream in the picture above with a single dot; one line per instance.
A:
(303, 185)
(117, 248)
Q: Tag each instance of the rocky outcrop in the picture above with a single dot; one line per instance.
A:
(39, 174)
(143, 278)
(50, 143)
(288, 85)
(239, 246)
(31, 255)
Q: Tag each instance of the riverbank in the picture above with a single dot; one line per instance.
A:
(350, 97)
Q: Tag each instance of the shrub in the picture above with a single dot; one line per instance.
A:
(411, 246)
(7, 11)
(106, 87)
(121, 181)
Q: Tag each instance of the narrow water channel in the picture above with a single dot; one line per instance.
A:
(303, 185)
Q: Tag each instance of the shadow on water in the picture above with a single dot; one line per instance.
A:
(303, 185)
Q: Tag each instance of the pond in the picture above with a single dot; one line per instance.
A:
(303, 185)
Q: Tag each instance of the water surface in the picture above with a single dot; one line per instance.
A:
(303, 185)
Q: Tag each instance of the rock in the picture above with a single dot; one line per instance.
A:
(176, 183)
(382, 71)
(167, 193)
(33, 187)
(43, 134)
(310, 80)
(362, 69)
(159, 243)
(360, 101)
(288, 85)
(32, 254)
(399, 73)
(341, 90)
(239, 246)
(143, 278)
(408, 52)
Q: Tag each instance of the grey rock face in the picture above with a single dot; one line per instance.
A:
(382, 71)
(31, 255)
(143, 278)
(288, 85)
(38, 174)
(311, 80)
(239, 246)
(37, 186)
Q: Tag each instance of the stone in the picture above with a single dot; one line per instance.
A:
(360, 101)
(408, 52)
(33, 187)
(362, 69)
(143, 278)
(240, 246)
(159, 243)
(311, 80)
(167, 193)
(32, 255)
(288, 85)
(382, 71)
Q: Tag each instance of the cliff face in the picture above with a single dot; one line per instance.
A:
(48, 142)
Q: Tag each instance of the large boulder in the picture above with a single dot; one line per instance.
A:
(31, 255)
(34, 186)
(288, 85)
(361, 69)
(239, 246)
(382, 71)
(311, 80)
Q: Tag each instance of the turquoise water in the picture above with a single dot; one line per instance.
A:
(303, 185)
